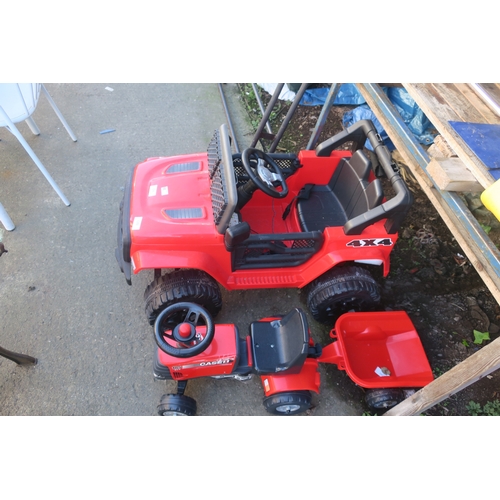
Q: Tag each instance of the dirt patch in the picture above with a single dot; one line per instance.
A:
(430, 278)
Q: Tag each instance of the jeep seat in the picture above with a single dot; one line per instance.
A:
(347, 195)
(280, 344)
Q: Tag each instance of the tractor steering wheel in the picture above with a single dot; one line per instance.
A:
(266, 175)
(175, 330)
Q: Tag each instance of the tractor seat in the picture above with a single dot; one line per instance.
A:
(281, 344)
(347, 195)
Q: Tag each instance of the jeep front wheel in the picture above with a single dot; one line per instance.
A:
(186, 285)
(341, 290)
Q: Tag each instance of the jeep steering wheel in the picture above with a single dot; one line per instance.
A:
(175, 330)
(265, 174)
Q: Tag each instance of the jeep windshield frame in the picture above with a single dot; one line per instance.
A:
(222, 179)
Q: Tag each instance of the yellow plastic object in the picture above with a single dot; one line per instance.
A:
(491, 199)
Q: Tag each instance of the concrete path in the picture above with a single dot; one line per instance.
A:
(63, 298)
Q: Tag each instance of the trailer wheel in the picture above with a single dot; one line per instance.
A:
(288, 403)
(185, 285)
(176, 405)
(380, 399)
(341, 290)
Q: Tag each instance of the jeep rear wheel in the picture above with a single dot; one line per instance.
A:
(341, 290)
(187, 285)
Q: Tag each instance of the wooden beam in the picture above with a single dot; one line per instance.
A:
(474, 368)
(469, 93)
(441, 104)
(451, 174)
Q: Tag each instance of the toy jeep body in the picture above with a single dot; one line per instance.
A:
(230, 219)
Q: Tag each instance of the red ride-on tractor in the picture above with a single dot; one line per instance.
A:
(380, 351)
(255, 220)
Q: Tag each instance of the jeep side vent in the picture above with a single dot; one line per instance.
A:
(176, 375)
(184, 213)
(183, 167)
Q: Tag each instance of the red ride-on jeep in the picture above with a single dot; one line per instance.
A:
(257, 220)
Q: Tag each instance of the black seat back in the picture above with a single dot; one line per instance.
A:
(348, 194)
(350, 183)
(280, 344)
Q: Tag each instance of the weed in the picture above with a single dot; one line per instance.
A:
(465, 343)
(490, 409)
(474, 408)
(480, 336)
(486, 228)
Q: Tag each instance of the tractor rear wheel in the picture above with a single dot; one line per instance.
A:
(340, 290)
(288, 403)
(185, 285)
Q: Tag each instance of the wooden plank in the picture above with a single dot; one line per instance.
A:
(444, 147)
(488, 115)
(451, 174)
(439, 112)
(493, 90)
(474, 368)
(489, 94)
(460, 105)
(482, 265)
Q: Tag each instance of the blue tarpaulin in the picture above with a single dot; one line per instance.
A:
(348, 95)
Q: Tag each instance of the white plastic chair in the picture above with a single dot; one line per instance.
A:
(18, 101)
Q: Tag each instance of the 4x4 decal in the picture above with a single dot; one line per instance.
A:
(371, 242)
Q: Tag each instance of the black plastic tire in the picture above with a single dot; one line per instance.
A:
(341, 290)
(176, 405)
(383, 399)
(185, 285)
(288, 403)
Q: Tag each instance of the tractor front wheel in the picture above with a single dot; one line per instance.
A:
(176, 405)
(185, 285)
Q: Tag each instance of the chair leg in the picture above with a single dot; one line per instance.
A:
(39, 164)
(12, 128)
(6, 220)
(58, 113)
(32, 125)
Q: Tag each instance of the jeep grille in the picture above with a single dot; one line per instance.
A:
(218, 186)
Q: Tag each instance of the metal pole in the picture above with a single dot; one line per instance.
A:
(288, 117)
(261, 106)
(334, 90)
(267, 114)
(233, 135)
